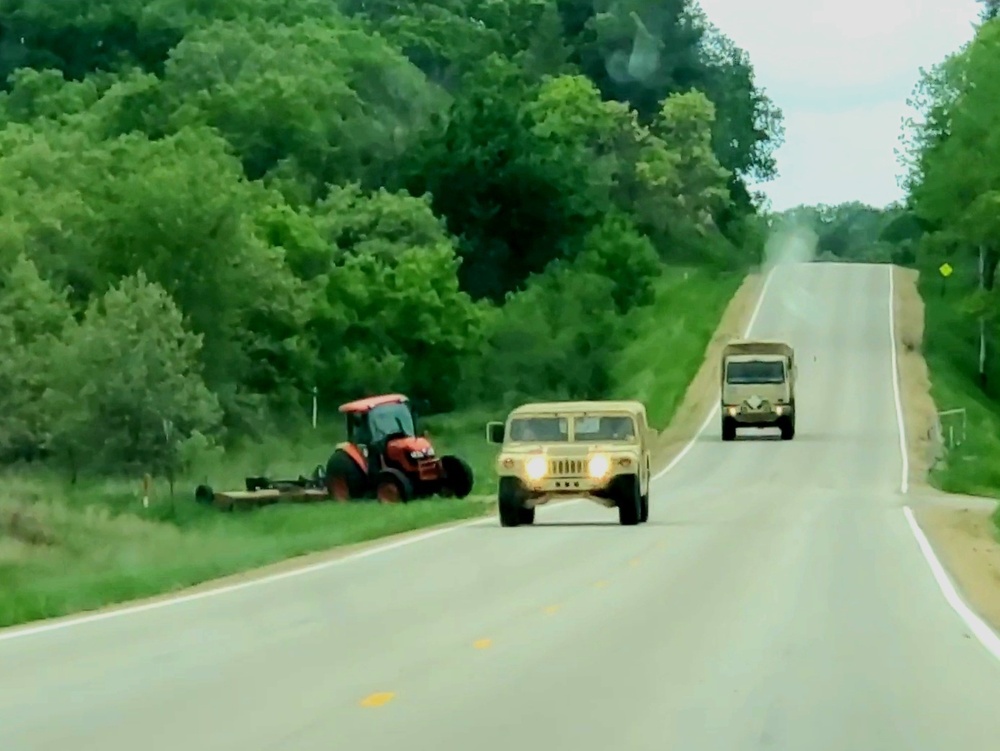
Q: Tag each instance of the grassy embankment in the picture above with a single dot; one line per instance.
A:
(951, 349)
(65, 550)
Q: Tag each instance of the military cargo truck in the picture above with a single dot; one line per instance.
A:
(758, 387)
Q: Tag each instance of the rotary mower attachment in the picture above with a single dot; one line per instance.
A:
(262, 491)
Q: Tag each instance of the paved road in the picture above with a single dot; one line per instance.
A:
(776, 600)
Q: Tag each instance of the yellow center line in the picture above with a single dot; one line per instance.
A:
(601, 584)
(482, 643)
(551, 609)
(634, 562)
(379, 699)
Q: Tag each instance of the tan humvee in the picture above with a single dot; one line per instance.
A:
(597, 450)
(758, 387)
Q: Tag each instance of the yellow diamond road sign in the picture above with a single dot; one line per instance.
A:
(945, 269)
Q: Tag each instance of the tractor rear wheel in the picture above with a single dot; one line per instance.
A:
(458, 477)
(344, 478)
(392, 486)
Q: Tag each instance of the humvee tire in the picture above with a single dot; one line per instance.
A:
(629, 500)
(787, 426)
(510, 504)
(728, 429)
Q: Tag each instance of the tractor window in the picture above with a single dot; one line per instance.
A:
(542, 429)
(357, 429)
(604, 428)
(755, 371)
(390, 419)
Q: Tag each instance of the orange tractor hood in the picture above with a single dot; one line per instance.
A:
(417, 443)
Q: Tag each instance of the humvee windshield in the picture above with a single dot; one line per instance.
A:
(604, 428)
(755, 371)
(544, 429)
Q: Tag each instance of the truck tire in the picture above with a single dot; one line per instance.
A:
(510, 504)
(728, 429)
(787, 426)
(629, 501)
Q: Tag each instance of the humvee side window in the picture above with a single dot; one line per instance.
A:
(543, 429)
(604, 428)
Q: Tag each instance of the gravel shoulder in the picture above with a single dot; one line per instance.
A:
(959, 527)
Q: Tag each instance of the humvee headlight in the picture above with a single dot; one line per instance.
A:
(536, 467)
(598, 466)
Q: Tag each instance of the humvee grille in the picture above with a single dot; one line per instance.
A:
(565, 467)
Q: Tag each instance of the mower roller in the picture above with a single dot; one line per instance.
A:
(385, 456)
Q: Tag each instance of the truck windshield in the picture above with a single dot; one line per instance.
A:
(755, 371)
(544, 429)
(604, 428)
(388, 419)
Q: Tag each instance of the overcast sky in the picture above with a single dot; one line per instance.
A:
(841, 73)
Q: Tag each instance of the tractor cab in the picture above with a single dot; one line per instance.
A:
(385, 453)
(384, 430)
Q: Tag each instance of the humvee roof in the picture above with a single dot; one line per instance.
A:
(538, 408)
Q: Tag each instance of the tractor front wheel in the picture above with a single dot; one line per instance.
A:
(458, 478)
(344, 478)
(392, 486)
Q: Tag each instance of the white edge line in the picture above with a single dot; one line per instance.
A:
(904, 480)
(16, 632)
(986, 635)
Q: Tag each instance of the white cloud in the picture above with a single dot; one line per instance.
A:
(841, 72)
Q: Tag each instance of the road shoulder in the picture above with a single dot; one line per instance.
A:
(959, 528)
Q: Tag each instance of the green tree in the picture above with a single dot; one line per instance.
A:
(125, 390)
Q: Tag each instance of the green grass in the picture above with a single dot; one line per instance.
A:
(671, 337)
(67, 549)
(951, 349)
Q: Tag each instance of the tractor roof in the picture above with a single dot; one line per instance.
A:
(370, 402)
(591, 407)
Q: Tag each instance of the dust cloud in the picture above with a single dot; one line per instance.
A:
(791, 242)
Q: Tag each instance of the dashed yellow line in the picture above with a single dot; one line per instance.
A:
(551, 609)
(634, 562)
(482, 644)
(601, 584)
(379, 699)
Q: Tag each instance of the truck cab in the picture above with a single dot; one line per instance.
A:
(758, 387)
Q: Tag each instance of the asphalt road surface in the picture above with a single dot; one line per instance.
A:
(775, 600)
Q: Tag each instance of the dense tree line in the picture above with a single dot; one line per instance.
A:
(855, 231)
(209, 209)
(952, 160)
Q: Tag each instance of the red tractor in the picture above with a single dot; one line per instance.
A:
(385, 457)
